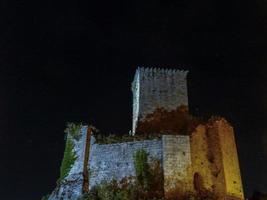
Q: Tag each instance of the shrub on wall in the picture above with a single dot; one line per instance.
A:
(116, 191)
(143, 174)
(149, 177)
(74, 130)
(112, 191)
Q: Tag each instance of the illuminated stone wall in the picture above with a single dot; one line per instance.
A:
(157, 88)
(215, 159)
(215, 155)
(200, 156)
(115, 161)
(176, 165)
(230, 161)
(210, 151)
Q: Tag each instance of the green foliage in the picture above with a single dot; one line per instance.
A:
(143, 174)
(149, 177)
(74, 130)
(45, 197)
(68, 159)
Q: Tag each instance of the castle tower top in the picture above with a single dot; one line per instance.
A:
(157, 88)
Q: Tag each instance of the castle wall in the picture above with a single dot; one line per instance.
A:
(215, 155)
(176, 165)
(71, 187)
(115, 161)
(157, 88)
(225, 166)
(79, 147)
(230, 161)
(210, 152)
(200, 157)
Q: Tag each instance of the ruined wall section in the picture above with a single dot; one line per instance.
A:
(223, 155)
(115, 161)
(233, 182)
(200, 157)
(71, 186)
(79, 149)
(157, 88)
(215, 157)
(176, 165)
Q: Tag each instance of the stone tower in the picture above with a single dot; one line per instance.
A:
(157, 88)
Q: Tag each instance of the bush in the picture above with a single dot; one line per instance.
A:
(74, 130)
(118, 191)
(143, 174)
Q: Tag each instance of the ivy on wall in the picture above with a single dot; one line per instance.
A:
(143, 173)
(73, 131)
(147, 185)
(68, 159)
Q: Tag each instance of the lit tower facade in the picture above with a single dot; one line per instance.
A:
(157, 88)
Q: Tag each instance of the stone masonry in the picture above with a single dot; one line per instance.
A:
(176, 164)
(157, 88)
(115, 161)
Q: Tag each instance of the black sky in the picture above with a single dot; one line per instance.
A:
(74, 61)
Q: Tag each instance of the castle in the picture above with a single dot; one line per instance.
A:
(202, 156)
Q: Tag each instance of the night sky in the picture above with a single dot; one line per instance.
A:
(72, 61)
